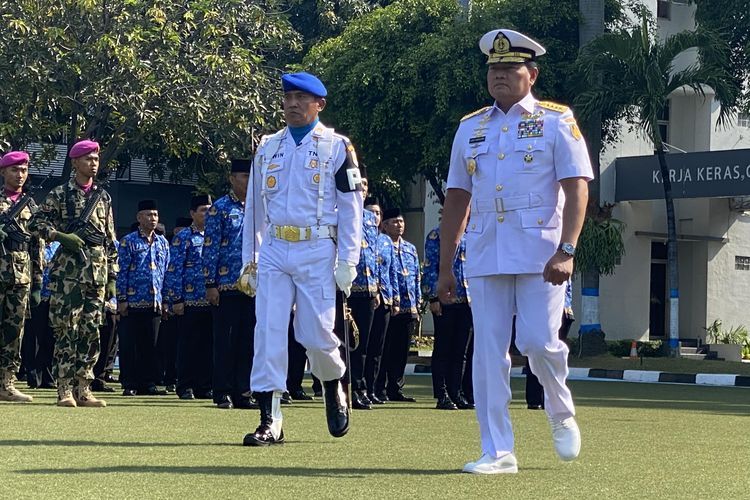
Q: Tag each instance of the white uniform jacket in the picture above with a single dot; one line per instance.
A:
(291, 187)
(512, 164)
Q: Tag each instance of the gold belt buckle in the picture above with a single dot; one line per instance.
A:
(290, 233)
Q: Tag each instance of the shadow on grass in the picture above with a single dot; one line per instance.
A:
(83, 443)
(346, 472)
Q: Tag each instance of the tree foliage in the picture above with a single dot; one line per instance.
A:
(731, 20)
(186, 83)
(317, 20)
(401, 77)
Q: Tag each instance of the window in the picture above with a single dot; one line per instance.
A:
(741, 263)
(743, 120)
(663, 9)
(664, 123)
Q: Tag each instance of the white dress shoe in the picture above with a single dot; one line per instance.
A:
(567, 438)
(505, 464)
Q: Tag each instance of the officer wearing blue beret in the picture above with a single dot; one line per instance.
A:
(302, 239)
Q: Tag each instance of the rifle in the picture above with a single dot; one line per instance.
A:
(82, 226)
(18, 238)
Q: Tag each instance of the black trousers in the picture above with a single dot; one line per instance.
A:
(108, 342)
(234, 332)
(534, 390)
(38, 345)
(375, 345)
(395, 353)
(138, 337)
(194, 349)
(452, 336)
(166, 348)
(364, 315)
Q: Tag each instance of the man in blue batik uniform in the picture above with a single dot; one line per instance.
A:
(390, 378)
(233, 311)
(452, 329)
(185, 287)
(144, 257)
(363, 302)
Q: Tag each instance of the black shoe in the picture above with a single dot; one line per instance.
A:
(337, 411)
(318, 394)
(462, 403)
(535, 407)
(49, 385)
(152, 391)
(187, 394)
(209, 394)
(128, 392)
(445, 403)
(263, 435)
(32, 382)
(225, 403)
(286, 398)
(363, 397)
(399, 396)
(380, 396)
(375, 400)
(358, 403)
(98, 385)
(244, 403)
(300, 395)
(170, 388)
(110, 378)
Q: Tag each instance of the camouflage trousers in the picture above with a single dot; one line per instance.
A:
(75, 315)
(13, 302)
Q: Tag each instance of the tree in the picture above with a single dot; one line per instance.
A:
(631, 77)
(318, 20)
(731, 20)
(401, 77)
(184, 84)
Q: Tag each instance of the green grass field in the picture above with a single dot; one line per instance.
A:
(639, 441)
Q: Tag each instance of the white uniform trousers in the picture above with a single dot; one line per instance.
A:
(298, 273)
(538, 307)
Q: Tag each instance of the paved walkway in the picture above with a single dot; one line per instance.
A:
(644, 376)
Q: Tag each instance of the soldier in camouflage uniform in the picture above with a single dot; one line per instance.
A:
(83, 273)
(20, 265)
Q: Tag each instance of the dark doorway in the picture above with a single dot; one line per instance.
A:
(657, 320)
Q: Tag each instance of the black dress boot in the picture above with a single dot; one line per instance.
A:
(337, 411)
(263, 436)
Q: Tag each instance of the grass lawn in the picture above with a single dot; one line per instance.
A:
(639, 441)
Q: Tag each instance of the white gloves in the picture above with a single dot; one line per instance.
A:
(344, 275)
(247, 283)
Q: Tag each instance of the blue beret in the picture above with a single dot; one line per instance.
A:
(304, 82)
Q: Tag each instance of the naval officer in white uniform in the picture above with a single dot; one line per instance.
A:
(301, 239)
(521, 168)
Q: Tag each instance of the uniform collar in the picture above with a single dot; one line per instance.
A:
(526, 104)
(234, 197)
(315, 133)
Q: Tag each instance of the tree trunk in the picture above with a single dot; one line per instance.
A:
(672, 270)
(590, 26)
(437, 186)
(72, 139)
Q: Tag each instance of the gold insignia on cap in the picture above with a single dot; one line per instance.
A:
(471, 166)
(271, 182)
(501, 45)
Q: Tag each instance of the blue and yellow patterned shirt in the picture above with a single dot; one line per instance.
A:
(185, 281)
(366, 282)
(431, 268)
(49, 252)
(222, 246)
(387, 277)
(406, 261)
(142, 268)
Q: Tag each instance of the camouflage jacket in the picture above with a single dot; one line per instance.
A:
(62, 206)
(21, 268)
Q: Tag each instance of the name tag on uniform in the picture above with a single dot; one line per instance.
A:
(476, 140)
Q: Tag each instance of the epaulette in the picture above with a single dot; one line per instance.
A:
(560, 108)
(475, 113)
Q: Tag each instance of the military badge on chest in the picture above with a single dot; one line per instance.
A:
(532, 127)
(478, 137)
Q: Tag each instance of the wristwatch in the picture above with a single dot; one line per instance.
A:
(567, 248)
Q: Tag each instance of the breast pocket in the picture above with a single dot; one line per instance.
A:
(540, 218)
(531, 155)
(477, 161)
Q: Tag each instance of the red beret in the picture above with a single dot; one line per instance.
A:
(14, 158)
(82, 148)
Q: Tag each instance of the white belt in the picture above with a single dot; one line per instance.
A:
(295, 233)
(507, 204)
